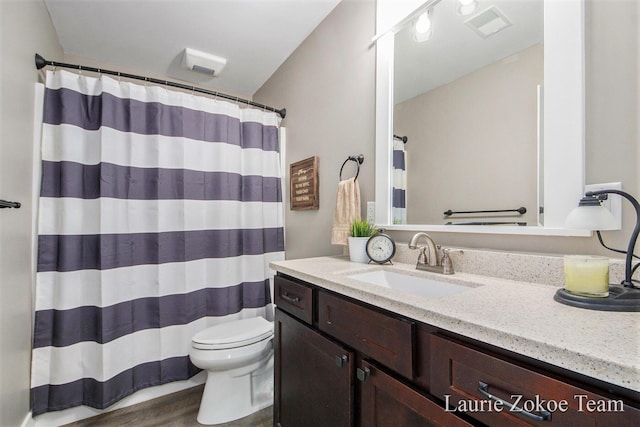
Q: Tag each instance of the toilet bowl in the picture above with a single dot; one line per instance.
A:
(238, 358)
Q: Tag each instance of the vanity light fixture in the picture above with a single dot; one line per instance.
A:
(466, 7)
(424, 27)
(591, 215)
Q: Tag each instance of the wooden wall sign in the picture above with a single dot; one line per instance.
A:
(304, 194)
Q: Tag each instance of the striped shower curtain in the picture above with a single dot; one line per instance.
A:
(399, 190)
(158, 216)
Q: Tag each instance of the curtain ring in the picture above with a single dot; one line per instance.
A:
(119, 80)
(79, 71)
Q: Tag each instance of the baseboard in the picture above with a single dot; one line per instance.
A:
(54, 419)
(28, 421)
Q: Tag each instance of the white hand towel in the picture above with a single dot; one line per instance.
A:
(347, 210)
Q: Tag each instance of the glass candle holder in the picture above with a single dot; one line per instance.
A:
(586, 275)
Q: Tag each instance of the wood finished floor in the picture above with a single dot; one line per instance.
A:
(174, 410)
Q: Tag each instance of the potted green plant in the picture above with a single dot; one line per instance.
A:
(361, 230)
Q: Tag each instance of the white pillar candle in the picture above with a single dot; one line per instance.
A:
(586, 275)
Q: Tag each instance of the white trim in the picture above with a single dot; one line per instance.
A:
(487, 229)
(564, 150)
(28, 421)
(384, 129)
(563, 119)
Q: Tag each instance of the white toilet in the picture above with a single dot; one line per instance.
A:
(238, 358)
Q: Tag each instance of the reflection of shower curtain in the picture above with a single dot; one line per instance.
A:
(399, 203)
(159, 213)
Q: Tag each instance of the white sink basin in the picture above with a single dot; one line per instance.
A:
(410, 284)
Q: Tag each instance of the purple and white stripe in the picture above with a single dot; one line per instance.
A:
(399, 184)
(159, 214)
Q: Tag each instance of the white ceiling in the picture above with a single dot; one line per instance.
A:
(455, 50)
(255, 36)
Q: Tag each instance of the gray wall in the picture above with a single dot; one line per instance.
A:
(328, 88)
(330, 100)
(485, 124)
(25, 29)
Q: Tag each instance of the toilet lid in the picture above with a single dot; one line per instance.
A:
(236, 333)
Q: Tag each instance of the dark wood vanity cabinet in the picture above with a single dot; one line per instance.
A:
(339, 362)
(499, 392)
(328, 354)
(314, 379)
(384, 338)
(294, 298)
(387, 401)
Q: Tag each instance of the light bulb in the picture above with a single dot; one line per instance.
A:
(423, 24)
(465, 7)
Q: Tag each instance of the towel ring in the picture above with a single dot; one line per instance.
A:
(358, 159)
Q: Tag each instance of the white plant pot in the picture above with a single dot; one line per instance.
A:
(358, 249)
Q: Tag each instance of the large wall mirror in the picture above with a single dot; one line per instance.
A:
(482, 111)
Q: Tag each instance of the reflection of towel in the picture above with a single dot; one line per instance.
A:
(347, 210)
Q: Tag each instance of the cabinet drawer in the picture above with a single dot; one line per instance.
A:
(387, 339)
(385, 401)
(294, 298)
(485, 386)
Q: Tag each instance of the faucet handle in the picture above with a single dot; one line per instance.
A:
(423, 258)
(452, 250)
(447, 264)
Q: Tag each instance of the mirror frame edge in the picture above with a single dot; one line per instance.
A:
(564, 37)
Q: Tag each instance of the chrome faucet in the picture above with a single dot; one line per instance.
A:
(431, 258)
(435, 260)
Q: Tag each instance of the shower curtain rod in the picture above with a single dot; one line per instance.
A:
(41, 63)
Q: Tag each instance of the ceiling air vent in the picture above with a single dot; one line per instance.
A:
(203, 62)
(488, 22)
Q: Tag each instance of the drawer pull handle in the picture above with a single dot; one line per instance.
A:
(483, 388)
(341, 360)
(286, 296)
(363, 374)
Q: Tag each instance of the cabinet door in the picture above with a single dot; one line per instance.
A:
(385, 401)
(314, 377)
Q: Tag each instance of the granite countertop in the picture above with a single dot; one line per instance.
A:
(518, 316)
